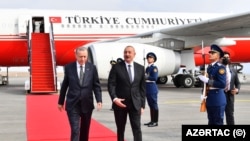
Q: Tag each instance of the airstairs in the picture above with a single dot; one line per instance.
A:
(42, 63)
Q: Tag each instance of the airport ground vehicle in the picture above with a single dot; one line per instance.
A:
(3, 80)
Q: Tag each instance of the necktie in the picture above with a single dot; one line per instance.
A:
(81, 75)
(129, 73)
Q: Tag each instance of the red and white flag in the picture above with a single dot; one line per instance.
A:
(55, 19)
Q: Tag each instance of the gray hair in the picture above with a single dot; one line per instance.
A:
(80, 49)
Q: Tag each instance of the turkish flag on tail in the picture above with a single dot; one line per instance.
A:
(55, 19)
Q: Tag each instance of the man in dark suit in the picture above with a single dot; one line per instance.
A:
(231, 89)
(80, 82)
(127, 91)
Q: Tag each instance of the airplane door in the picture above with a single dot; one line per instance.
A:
(23, 21)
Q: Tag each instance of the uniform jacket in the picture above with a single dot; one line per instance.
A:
(119, 85)
(151, 78)
(72, 90)
(217, 83)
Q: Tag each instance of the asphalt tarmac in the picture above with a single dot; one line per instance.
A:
(177, 106)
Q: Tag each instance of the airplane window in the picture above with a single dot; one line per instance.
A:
(117, 26)
(132, 26)
(121, 26)
(68, 26)
(62, 25)
(90, 26)
(85, 26)
(137, 26)
(79, 26)
(74, 26)
(142, 26)
(111, 26)
(127, 26)
(100, 26)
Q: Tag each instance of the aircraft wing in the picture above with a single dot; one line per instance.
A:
(223, 26)
(208, 31)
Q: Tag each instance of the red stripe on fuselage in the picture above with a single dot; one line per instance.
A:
(239, 53)
(14, 50)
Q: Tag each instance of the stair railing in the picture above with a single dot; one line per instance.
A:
(29, 29)
(53, 54)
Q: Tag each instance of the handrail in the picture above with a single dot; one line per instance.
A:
(52, 49)
(29, 29)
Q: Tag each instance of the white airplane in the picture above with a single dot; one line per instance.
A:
(44, 39)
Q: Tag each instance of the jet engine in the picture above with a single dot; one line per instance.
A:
(100, 54)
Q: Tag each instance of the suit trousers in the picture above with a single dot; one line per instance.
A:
(79, 123)
(229, 110)
(135, 121)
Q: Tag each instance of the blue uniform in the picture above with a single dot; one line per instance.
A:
(151, 87)
(216, 100)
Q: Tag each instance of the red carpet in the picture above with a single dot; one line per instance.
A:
(44, 122)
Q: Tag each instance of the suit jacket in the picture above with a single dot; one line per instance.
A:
(74, 91)
(119, 85)
(234, 82)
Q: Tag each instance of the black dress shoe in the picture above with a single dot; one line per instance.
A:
(147, 123)
(153, 124)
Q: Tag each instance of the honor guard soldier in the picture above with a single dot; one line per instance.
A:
(216, 82)
(152, 89)
(118, 60)
(112, 62)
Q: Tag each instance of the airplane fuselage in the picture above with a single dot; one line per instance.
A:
(77, 28)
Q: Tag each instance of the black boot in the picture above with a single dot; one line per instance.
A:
(155, 119)
(151, 117)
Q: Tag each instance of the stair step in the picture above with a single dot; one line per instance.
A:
(41, 65)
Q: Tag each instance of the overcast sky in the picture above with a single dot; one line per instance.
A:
(220, 6)
(204, 6)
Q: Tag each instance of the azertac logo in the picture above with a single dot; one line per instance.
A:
(55, 19)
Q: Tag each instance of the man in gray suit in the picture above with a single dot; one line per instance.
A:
(80, 82)
(126, 87)
(231, 89)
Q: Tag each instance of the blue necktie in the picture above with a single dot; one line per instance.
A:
(129, 73)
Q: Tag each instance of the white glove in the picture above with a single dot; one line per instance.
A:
(203, 78)
(203, 97)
